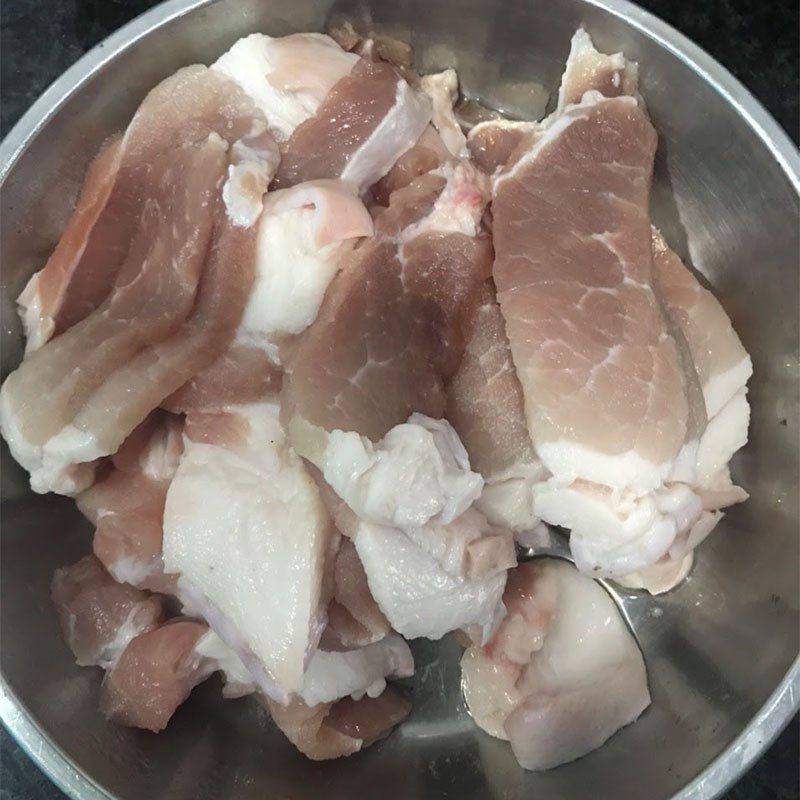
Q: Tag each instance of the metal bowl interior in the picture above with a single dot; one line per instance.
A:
(722, 649)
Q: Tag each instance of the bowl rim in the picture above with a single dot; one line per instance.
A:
(783, 703)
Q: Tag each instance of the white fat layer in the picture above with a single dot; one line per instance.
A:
(459, 207)
(614, 533)
(221, 658)
(418, 472)
(38, 327)
(333, 675)
(251, 517)
(131, 570)
(292, 273)
(684, 468)
(397, 132)
(249, 176)
(417, 595)
(442, 89)
(720, 388)
(50, 471)
(253, 63)
(725, 434)
(571, 461)
(507, 498)
(660, 577)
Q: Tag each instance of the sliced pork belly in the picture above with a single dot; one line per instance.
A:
(562, 674)
(288, 77)
(485, 406)
(154, 675)
(242, 511)
(99, 617)
(366, 122)
(127, 504)
(393, 324)
(342, 728)
(165, 289)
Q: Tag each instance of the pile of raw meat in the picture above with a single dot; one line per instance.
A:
(314, 351)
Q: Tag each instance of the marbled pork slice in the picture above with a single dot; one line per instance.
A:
(366, 122)
(604, 390)
(393, 324)
(485, 406)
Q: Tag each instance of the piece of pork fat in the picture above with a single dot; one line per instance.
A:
(154, 675)
(176, 295)
(562, 674)
(332, 730)
(288, 77)
(485, 406)
(426, 580)
(127, 504)
(393, 324)
(242, 511)
(99, 616)
(366, 122)
(442, 88)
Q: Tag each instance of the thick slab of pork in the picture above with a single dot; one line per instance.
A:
(562, 674)
(174, 297)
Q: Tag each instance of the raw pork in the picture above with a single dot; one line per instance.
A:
(366, 122)
(242, 511)
(562, 674)
(127, 504)
(154, 675)
(99, 617)
(331, 730)
(173, 298)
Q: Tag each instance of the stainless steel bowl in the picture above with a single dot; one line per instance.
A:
(721, 650)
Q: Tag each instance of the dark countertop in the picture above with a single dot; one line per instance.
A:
(757, 41)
